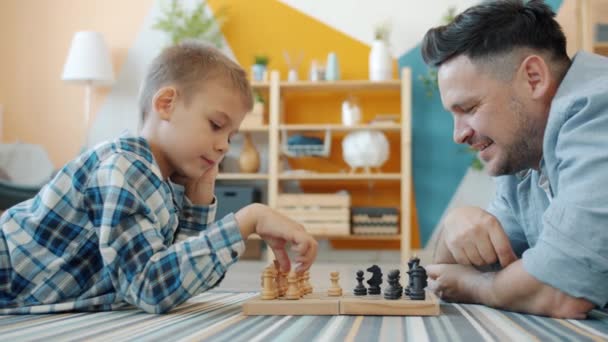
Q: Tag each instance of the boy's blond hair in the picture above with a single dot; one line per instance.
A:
(188, 66)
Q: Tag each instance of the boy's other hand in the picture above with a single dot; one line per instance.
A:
(199, 191)
(279, 231)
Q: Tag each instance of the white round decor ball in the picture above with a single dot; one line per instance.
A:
(365, 149)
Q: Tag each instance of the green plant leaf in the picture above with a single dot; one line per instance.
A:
(180, 24)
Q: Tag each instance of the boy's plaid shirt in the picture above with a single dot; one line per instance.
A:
(108, 231)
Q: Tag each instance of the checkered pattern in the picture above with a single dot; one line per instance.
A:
(107, 231)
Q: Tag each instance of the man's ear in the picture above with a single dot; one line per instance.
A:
(164, 102)
(535, 76)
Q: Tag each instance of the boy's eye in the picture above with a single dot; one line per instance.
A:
(214, 125)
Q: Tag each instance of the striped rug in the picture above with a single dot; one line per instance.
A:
(217, 316)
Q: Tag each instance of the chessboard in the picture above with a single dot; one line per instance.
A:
(319, 303)
(293, 294)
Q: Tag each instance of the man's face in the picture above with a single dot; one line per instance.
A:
(197, 136)
(491, 116)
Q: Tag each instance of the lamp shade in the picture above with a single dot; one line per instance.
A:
(88, 60)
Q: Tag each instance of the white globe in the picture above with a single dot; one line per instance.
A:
(365, 149)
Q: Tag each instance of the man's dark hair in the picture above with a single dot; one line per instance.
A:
(495, 28)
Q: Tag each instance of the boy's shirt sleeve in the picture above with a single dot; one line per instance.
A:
(193, 219)
(147, 269)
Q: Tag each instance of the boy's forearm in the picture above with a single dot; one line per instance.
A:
(513, 288)
(247, 219)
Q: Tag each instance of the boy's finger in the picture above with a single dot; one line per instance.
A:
(281, 256)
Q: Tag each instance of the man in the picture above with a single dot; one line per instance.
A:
(539, 121)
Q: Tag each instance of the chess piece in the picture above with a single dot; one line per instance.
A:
(419, 282)
(412, 263)
(335, 290)
(268, 291)
(292, 288)
(360, 289)
(393, 290)
(307, 282)
(281, 280)
(375, 281)
(283, 289)
(301, 285)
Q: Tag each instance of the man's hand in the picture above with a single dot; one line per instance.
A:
(199, 191)
(279, 232)
(510, 289)
(457, 283)
(472, 236)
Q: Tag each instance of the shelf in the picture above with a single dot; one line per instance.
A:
(263, 128)
(339, 127)
(340, 176)
(344, 85)
(347, 237)
(601, 48)
(260, 85)
(242, 176)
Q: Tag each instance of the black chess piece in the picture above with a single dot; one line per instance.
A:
(419, 282)
(375, 281)
(393, 291)
(360, 289)
(412, 263)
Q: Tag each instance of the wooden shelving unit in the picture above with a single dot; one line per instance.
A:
(275, 89)
(341, 176)
(243, 176)
(587, 17)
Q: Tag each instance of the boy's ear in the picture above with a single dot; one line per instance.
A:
(164, 102)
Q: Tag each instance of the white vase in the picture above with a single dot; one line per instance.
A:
(380, 62)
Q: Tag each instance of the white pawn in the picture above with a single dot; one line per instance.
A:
(335, 290)
(268, 279)
(292, 289)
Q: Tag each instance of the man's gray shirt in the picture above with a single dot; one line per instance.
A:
(557, 217)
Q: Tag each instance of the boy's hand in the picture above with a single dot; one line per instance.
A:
(278, 231)
(199, 191)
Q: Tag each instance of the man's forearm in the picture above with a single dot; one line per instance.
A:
(515, 289)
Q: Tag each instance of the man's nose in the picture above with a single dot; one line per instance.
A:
(462, 131)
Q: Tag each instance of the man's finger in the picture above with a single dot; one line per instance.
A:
(433, 270)
(486, 250)
(502, 246)
(460, 256)
(473, 254)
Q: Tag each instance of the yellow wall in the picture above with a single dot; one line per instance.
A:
(35, 35)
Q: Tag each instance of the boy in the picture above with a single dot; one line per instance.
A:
(114, 228)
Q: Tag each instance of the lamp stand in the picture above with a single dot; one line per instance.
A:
(88, 89)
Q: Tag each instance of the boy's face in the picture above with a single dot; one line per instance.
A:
(195, 136)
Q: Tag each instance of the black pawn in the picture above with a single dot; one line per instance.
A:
(393, 291)
(375, 281)
(360, 289)
(419, 282)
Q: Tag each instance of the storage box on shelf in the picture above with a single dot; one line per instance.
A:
(320, 214)
(374, 221)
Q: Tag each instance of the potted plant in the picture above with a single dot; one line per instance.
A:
(380, 59)
(182, 24)
(259, 67)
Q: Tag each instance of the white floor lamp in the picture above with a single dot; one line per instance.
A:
(88, 63)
